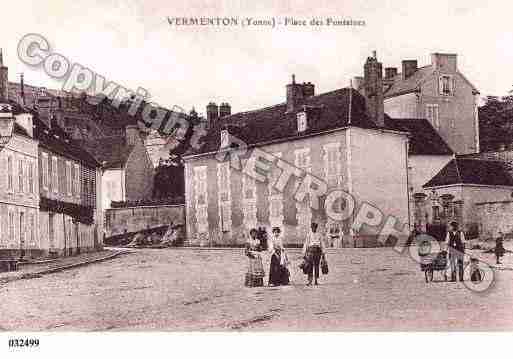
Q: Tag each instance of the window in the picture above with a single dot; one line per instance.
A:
(200, 191)
(76, 180)
(446, 84)
(55, 175)
(11, 225)
(68, 178)
(30, 178)
(303, 158)
(436, 213)
(22, 230)
(9, 173)
(433, 116)
(332, 164)
(225, 139)
(20, 175)
(301, 121)
(223, 185)
(275, 198)
(32, 230)
(223, 176)
(44, 168)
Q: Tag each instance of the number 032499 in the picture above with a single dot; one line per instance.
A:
(23, 343)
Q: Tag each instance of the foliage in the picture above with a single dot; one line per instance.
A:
(496, 123)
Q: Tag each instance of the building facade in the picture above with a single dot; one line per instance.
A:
(127, 170)
(70, 214)
(19, 191)
(336, 139)
(438, 92)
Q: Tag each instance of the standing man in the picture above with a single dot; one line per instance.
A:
(456, 247)
(313, 250)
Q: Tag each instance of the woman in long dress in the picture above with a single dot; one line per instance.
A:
(255, 274)
(278, 273)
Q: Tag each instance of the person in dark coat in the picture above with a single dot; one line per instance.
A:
(456, 247)
(278, 273)
(499, 247)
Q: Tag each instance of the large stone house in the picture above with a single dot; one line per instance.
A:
(438, 92)
(338, 138)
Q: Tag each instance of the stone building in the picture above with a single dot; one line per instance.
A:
(427, 155)
(463, 183)
(19, 191)
(50, 189)
(338, 138)
(70, 216)
(127, 170)
(438, 92)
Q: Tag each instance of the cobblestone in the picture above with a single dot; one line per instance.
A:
(188, 289)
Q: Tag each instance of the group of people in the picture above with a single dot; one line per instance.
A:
(259, 245)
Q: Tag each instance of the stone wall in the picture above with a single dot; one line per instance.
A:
(495, 217)
(134, 219)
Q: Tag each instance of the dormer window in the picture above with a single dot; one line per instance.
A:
(225, 139)
(302, 124)
(446, 84)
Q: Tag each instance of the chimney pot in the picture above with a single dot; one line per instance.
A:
(373, 90)
(409, 68)
(390, 72)
(225, 109)
(4, 85)
(212, 112)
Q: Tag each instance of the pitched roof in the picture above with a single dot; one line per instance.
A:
(400, 86)
(17, 109)
(57, 140)
(326, 111)
(424, 139)
(112, 152)
(472, 171)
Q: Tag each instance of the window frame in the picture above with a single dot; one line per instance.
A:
(431, 109)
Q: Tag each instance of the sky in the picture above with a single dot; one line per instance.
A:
(132, 43)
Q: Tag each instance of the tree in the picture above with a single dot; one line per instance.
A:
(496, 123)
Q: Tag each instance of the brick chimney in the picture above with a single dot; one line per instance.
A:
(294, 94)
(297, 93)
(308, 89)
(132, 135)
(444, 62)
(390, 72)
(373, 88)
(212, 112)
(224, 109)
(409, 68)
(4, 85)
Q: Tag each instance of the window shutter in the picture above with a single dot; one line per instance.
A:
(441, 85)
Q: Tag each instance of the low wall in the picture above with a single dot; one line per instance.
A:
(134, 219)
(494, 217)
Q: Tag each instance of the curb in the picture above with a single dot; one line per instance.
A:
(62, 268)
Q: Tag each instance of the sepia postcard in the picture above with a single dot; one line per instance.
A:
(188, 167)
